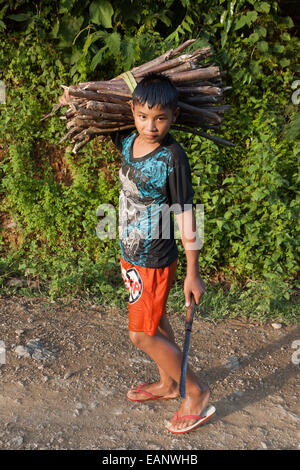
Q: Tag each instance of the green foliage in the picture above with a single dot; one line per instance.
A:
(97, 36)
(268, 300)
(249, 194)
(250, 191)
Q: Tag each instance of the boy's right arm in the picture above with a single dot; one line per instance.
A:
(193, 283)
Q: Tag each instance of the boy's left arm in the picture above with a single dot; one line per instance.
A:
(193, 283)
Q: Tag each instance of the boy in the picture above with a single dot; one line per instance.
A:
(155, 175)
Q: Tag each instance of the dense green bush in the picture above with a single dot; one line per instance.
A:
(249, 192)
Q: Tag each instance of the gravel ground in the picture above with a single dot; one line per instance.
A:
(65, 368)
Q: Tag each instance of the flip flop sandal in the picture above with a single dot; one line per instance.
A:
(206, 415)
(148, 394)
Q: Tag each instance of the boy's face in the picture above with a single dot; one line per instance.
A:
(153, 124)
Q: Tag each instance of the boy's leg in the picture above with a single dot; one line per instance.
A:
(168, 358)
(145, 315)
(165, 328)
(166, 387)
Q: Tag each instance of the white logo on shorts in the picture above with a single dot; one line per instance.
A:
(134, 284)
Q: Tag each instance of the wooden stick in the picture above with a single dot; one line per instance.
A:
(68, 135)
(95, 96)
(195, 110)
(111, 84)
(181, 48)
(183, 67)
(166, 56)
(81, 144)
(119, 87)
(84, 113)
(216, 139)
(109, 107)
(95, 130)
(191, 118)
(100, 124)
(55, 108)
(202, 53)
(197, 84)
(170, 64)
(202, 99)
(198, 125)
(209, 90)
(219, 109)
(193, 75)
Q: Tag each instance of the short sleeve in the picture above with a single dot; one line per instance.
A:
(179, 186)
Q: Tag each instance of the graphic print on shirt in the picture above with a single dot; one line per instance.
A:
(150, 186)
(133, 283)
(140, 200)
(133, 214)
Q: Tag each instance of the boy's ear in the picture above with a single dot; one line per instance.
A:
(131, 106)
(176, 114)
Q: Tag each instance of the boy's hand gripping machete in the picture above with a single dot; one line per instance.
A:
(188, 328)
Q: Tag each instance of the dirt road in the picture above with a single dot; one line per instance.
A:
(66, 388)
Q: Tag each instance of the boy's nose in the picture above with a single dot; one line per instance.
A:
(151, 125)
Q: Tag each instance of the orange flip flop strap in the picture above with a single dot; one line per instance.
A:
(140, 390)
(177, 418)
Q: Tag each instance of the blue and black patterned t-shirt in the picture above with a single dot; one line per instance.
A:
(150, 186)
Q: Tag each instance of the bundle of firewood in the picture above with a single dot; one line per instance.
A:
(99, 108)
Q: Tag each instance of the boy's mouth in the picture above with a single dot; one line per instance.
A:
(151, 136)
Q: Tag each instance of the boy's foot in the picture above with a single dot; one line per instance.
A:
(155, 391)
(192, 413)
(196, 419)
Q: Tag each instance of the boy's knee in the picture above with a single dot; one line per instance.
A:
(138, 338)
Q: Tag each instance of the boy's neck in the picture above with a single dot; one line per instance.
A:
(141, 148)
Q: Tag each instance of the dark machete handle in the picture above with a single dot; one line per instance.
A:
(190, 315)
(188, 328)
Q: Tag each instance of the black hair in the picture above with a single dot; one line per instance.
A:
(156, 89)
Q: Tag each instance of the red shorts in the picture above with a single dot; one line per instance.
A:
(148, 294)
